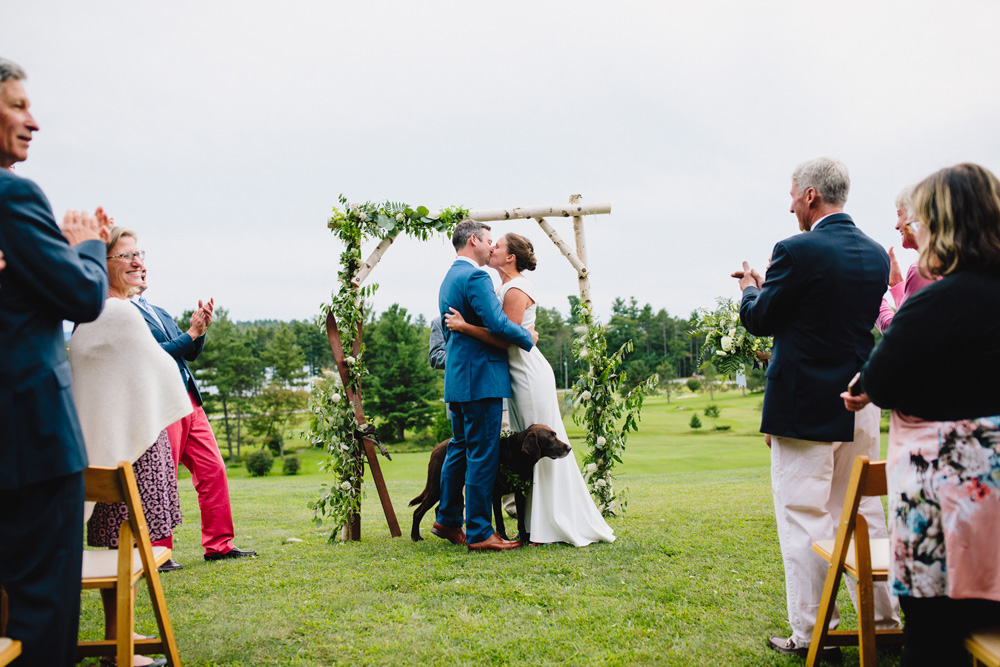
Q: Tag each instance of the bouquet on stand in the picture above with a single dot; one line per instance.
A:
(728, 344)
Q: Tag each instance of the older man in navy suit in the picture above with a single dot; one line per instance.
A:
(50, 275)
(819, 301)
(476, 380)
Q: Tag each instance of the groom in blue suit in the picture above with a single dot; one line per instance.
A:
(475, 383)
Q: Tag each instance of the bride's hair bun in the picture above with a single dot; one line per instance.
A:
(523, 251)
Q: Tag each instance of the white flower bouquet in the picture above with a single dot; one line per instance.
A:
(728, 344)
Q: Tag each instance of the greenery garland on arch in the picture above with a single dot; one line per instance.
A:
(606, 415)
(333, 422)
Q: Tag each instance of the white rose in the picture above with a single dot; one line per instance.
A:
(335, 397)
(601, 483)
(400, 217)
(727, 342)
(585, 395)
(350, 360)
(591, 467)
(346, 486)
(732, 332)
(601, 441)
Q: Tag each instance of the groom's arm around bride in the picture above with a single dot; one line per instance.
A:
(476, 381)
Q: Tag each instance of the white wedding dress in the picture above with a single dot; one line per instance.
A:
(559, 507)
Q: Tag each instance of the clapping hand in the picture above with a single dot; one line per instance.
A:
(748, 277)
(80, 226)
(895, 275)
(105, 222)
(201, 318)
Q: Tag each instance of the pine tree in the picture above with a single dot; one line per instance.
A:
(401, 384)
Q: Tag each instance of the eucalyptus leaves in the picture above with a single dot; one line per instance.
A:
(607, 417)
(333, 417)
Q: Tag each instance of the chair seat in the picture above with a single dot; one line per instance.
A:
(101, 566)
(9, 649)
(985, 646)
(880, 557)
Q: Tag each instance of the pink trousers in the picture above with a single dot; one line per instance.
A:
(192, 443)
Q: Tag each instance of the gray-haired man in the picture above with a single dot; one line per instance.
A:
(819, 301)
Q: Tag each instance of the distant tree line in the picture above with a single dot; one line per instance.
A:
(259, 368)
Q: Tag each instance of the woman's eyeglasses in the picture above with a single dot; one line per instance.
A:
(129, 256)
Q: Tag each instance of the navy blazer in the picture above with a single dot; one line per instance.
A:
(476, 370)
(819, 300)
(177, 344)
(46, 281)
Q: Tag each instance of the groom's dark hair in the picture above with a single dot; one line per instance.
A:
(464, 230)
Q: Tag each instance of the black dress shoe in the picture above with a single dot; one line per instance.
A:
(232, 553)
(171, 564)
(789, 647)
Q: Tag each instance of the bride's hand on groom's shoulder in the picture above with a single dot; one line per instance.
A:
(534, 335)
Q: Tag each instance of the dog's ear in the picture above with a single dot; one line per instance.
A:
(530, 445)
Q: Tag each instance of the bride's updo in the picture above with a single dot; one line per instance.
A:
(523, 251)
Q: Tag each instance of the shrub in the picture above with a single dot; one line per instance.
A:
(693, 384)
(259, 462)
(291, 465)
(724, 427)
(274, 443)
(712, 411)
(695, 422)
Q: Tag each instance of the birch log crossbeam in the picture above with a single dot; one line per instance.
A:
(564, 248)
(376, 255)
(521, 212)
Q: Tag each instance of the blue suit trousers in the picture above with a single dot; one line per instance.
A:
(471, 460)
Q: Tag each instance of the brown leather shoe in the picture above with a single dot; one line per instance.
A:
(453, 535)
(494, 543)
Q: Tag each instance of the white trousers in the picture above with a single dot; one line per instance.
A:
(809, 481)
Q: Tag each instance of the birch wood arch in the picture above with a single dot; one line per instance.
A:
(576, 257)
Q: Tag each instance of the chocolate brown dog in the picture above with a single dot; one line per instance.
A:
(518, 454)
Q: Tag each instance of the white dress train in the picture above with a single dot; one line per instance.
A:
(560, 508)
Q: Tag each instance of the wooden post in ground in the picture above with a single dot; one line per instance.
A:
(354, 524)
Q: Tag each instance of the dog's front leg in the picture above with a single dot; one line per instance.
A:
(522, 512)
(498, 514)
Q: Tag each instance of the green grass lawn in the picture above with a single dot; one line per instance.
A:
(694, 577)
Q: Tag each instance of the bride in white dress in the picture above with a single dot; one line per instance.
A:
(560, 508)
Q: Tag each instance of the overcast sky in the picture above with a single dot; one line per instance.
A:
(222, 132)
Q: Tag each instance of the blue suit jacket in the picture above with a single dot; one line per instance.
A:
(476, 370)
(819, 301)
(177, 344)
(45, 282)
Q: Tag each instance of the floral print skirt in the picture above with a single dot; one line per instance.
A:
(156, 478)
(944, 507)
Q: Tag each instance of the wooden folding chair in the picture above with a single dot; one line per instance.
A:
(866, 560)
(121, 568)
(984, 645)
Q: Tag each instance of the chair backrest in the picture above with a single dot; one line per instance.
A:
(117, 485)
(874, 483)
(867, 479)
